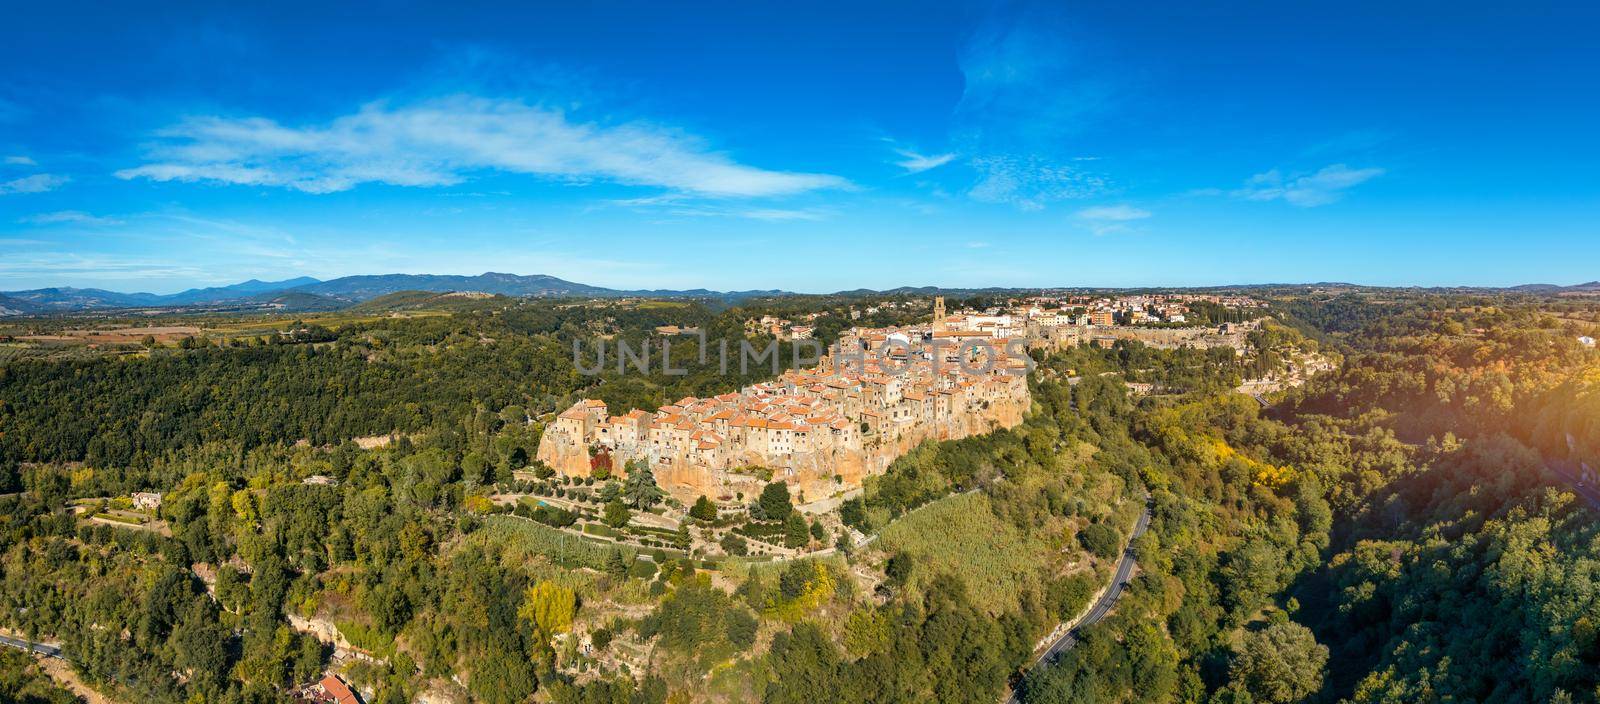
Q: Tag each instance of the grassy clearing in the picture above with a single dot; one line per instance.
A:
(119, 517)
(960, 535)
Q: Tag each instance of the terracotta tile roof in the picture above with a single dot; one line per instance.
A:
(336, 688)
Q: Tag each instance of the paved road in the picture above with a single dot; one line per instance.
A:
(48, 651)
(1103, 606)
(1572, 472)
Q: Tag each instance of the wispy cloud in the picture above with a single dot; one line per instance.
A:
(677, 204)
(762, 214)
(1027, 80)
(1028, 92)
(1109, 219)
(916, 163)
(1031, 183)
(444, 141)
(1118, 213)
(781, 215)
(649, 201)
(1306, 190)
(93, 269)
(77, 217)
(19, 160)
(37, 183)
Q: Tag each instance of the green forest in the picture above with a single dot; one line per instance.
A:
(1402, 528)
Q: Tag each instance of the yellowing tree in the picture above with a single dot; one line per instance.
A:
(244, 506)
(549, 607)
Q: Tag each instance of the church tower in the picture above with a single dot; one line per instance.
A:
(938, 314)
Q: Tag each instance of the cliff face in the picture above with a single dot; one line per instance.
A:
(566, 454)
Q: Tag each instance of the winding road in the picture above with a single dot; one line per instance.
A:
(1102, 606)
(1573, 474)
(48, 651)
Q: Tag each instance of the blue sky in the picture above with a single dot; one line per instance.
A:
(807, 146)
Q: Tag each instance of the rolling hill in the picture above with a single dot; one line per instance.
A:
(306, 293)
(252, 287)
(13, 306)
(367, 287)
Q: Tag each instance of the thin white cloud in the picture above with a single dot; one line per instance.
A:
(77, 217)
(37, 183)
(1031, 183)
(762, 214)
(1029, 88)
(1326, 185)
(1111, 219)
(692, 206)
(445, 141)
(1028, 81)
(19, 160)
(780, 215)
(649, 201)
(48, 268)
(1115, 213)
(916, 163)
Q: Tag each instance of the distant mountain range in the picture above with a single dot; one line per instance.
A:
(234, 292)
(1552, 288)
(45, 300)
(305, 293)
(12, 306)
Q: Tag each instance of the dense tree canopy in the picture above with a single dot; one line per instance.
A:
(1391, 531)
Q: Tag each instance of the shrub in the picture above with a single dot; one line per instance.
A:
(616, 514)
(1101, 540)
(642, 569)
(703, 510)
(774, 501)
(795, 533)
(553, 516)
(854, 514)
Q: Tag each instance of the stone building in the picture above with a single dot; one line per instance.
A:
(821, 430)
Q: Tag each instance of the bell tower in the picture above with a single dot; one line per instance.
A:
(938, 313)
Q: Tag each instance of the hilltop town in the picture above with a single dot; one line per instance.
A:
(877, 394)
